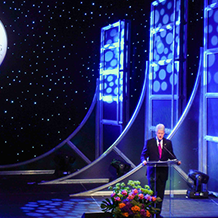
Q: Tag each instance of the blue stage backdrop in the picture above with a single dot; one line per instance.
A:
(208, 133)
(167, 64)
(113, 101)
(52, 62)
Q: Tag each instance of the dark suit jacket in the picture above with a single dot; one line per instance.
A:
(150, 151)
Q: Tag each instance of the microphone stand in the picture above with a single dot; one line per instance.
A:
(172, 155)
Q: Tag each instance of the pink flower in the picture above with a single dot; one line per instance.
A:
(141, 196)
(112, 195)
(148, 197)
(117, 199)
(124, 192)
(135, 191)
(130, 197)
(153, 198)
(143, 212)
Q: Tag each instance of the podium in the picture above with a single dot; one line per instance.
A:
(167, 206)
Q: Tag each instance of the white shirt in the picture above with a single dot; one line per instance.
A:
(161, 143)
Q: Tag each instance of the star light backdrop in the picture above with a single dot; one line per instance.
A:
(48, 77)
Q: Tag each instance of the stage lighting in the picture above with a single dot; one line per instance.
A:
(196, 187)
(64, 164)
(121, 167)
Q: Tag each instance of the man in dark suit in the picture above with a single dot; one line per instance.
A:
(158, 149)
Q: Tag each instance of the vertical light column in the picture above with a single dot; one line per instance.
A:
(208, 149)
(113, 102)
(167, 63)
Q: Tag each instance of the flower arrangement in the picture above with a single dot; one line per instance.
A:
(131, 201)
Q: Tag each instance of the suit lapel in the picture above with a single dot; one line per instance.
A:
(164, 151)
(164, 142)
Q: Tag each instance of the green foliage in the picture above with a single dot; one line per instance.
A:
(108, 205)
(130, 200)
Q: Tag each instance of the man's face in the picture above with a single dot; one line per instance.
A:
(160, 134)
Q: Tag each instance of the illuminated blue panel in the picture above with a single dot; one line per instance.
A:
(110, 88)
(167, 60)
(212, 117)
(175, 105)
(107, 108)
(113, 102)
(163, 79)
(163, 12)
(166, 14)
(111, 35)
(212, 75)
(163, 45)
(209, 107)
(111, 58)
(114, 56)
(212, 28)
(212, 149)
(164, 114)
(112, 62)
(212, 2)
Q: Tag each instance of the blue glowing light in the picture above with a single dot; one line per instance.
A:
(165, 32)
(112, 62)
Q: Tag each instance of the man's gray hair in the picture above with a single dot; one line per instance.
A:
(160, 126)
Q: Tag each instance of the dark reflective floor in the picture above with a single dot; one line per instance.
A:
(46, 205)
(22, 197)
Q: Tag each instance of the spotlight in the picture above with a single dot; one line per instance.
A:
(64, 164)
(121, 167)
(196, 185)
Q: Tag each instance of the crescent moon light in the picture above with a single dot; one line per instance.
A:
(3, 42)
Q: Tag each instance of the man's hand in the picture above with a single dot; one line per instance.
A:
(179, 162)
(144, 162)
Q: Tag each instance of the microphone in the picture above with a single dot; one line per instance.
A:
(172, 155)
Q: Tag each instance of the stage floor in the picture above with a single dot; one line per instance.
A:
(21, 199)
(58, 205)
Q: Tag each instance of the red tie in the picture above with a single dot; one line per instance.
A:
(160, 150)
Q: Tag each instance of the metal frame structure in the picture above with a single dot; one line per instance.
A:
(66, 141)
(113, 98)
(167, 63)
(138, 171)
(208, 130)
(113, 147)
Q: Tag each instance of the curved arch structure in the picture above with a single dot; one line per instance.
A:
(127, 147)
(96, 168)
(138, 172)
(192, 97)
(66, 141)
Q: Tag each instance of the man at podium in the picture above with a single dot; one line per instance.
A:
(158, 149)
